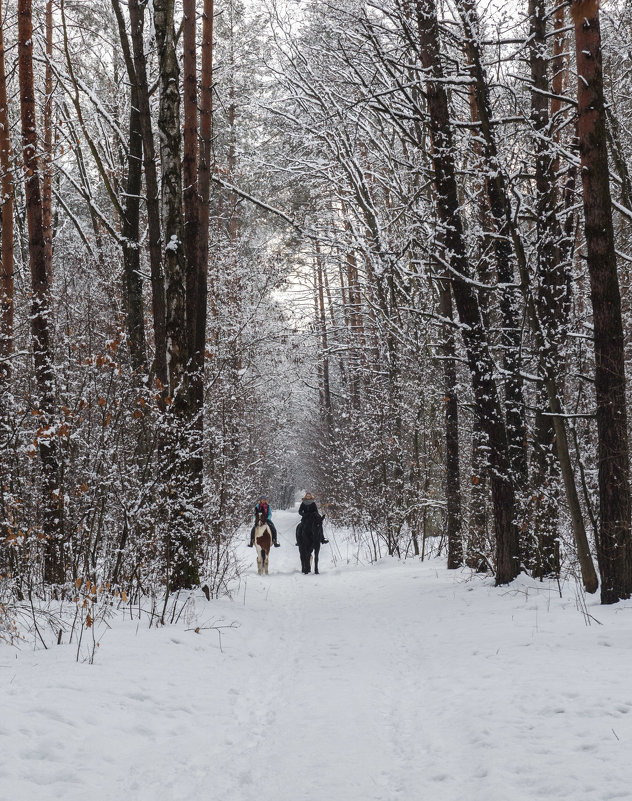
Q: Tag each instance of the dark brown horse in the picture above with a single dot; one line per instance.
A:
(309, 536)
(263, 542)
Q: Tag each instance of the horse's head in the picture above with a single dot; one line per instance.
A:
(260, 519)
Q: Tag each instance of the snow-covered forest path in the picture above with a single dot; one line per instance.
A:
(365, 683)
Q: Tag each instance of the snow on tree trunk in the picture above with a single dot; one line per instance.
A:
(473, 332)
(182, 534)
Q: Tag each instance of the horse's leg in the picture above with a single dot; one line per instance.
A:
(316, 552)
(259, 560)
(266, 559)
(304, 558)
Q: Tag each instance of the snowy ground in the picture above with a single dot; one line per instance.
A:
(391, 681)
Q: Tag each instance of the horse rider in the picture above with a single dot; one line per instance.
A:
(308, 509)
(264, 507)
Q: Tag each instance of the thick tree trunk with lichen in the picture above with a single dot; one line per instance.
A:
(614, 545)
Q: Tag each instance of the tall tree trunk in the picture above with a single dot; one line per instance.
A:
(133, 283)
(40, 308)
(543, 556)
(204, 183)
(182, 540)
(190, 164)
(132, 280)
(558, 118)
(195, 169)
(474, 336)
(174, 258)
(198, 330)
(552, 303)
(452, 470)
(47, 169)
(356, 328)
(7, 254)
(477, 535)
(515, 412)
(6, 288)
(321, 322)
(614, 546)
(136, 14)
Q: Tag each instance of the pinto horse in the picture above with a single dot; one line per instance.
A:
(263, 542)
(309, 536)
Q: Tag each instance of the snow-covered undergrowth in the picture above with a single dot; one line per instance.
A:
(390, 681)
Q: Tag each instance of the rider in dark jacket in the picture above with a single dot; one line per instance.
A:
(308, 509)
(264, 506)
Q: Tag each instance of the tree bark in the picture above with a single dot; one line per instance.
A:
(136, 14)
(321, 323)
(7, 286)
(452, 469)
(552, 298)
(175, 266)
(190, 165)
(133, 283)
(477, 536)
(196, 176)
(47, 170)
(132, 280)
(40, 308)
(182, 537)
(614, 546)
(204, 184)
(7, 244)
(356, 329)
